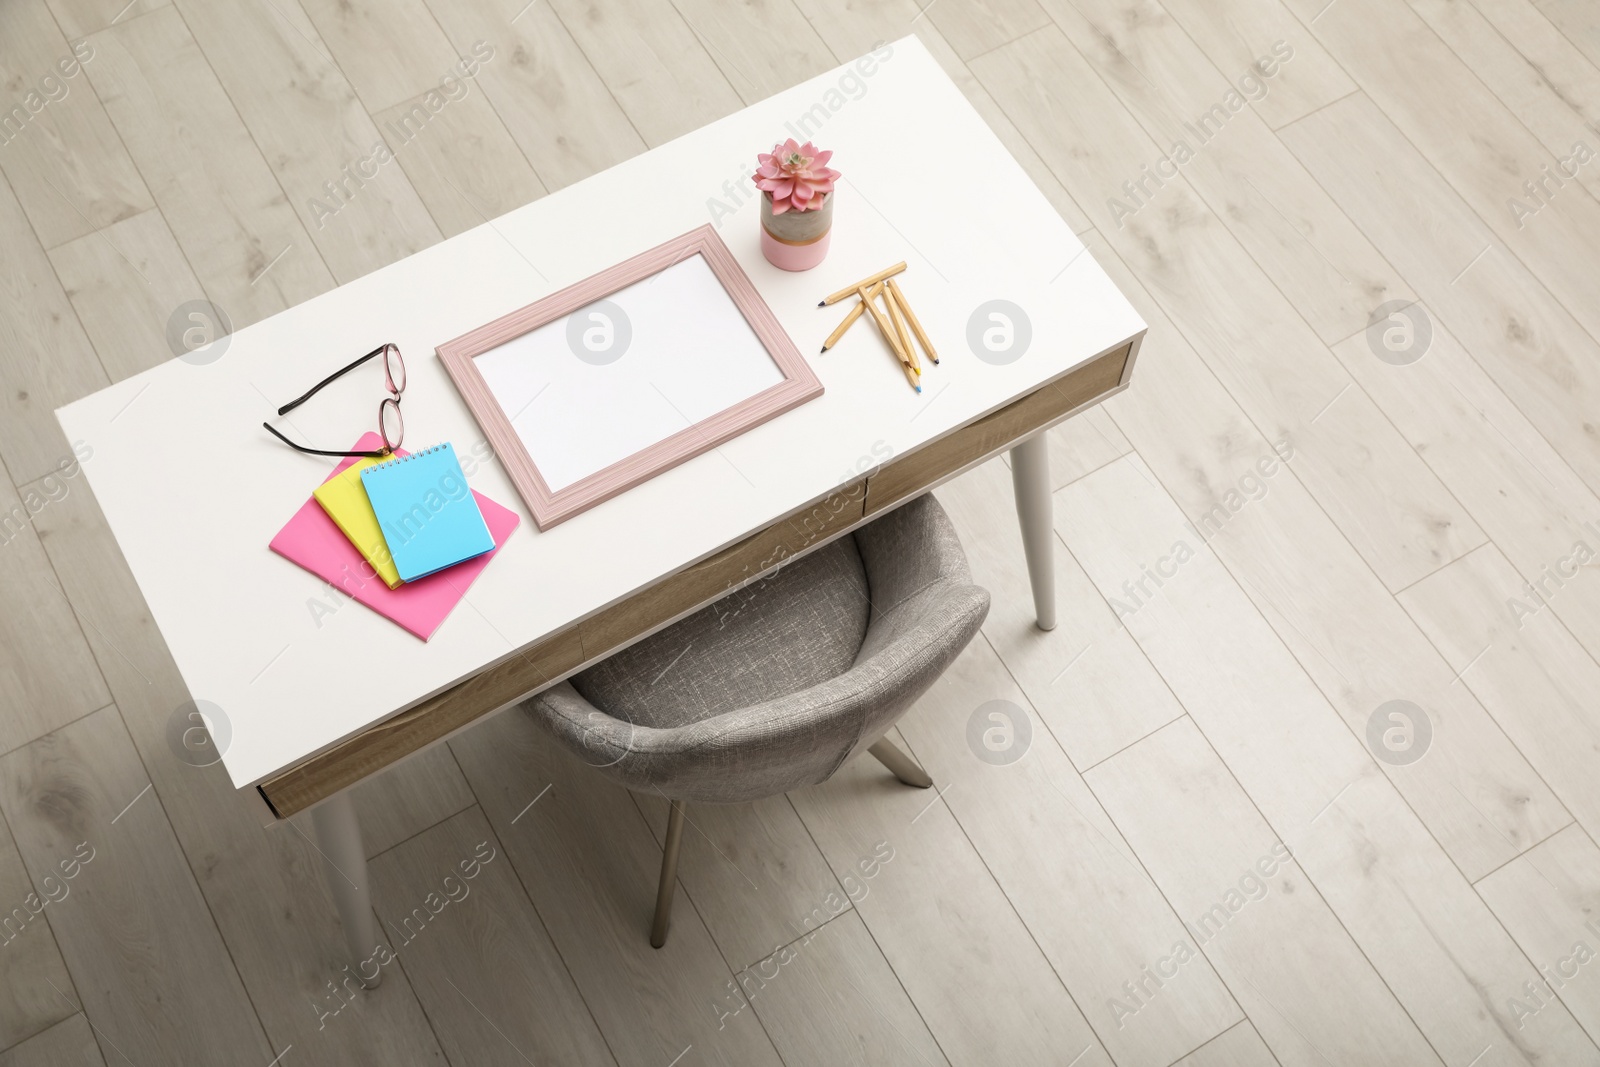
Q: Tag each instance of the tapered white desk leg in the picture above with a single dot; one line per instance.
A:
(1030, 476)
(344, 863)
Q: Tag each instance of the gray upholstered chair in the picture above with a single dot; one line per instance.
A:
(776, 685)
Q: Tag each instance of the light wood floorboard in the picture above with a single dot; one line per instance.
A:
(1483, 803)
(544, 88)
(638, 51)
(752, 871)
(1247, 32)
(79, 18)
(1243, 895)
(1315, 255)
(144, 954)
(225, 207)
(28, 1005)
(978, 26)
(126, 282)
(943, 923)
(45, 356)
(1558, 62)
(461, 159)
(1363, 849)
(1579, 21)
(1352, 458)
(43, 629)
(595, 893)
(853, 28)
(830, 998)
(1240, 1046)
(1432, 95)
(390, 50)
(65, 163)
(1520, 334)
(1548, 900)
(1524, 665)
(1087, 678)
(423, 791)
(281, 78)
(761, 46)
(1094, 911)
(468, 939)
(1497, 463)
(1555, 92)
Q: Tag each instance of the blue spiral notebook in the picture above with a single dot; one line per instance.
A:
(426, 511)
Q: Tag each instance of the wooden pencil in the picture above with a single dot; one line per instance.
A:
(893, 341)
(862, 284)
(899, 321)
(911, 316)
(849, 320)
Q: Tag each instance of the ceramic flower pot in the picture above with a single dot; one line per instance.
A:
(796, 240)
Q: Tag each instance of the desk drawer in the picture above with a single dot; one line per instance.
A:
(913, 474)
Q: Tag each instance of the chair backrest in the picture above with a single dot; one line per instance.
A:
(925, 610)
(789, 630)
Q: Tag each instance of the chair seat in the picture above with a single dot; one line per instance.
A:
(798, 627)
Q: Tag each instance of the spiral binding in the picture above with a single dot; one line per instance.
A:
(402, 459)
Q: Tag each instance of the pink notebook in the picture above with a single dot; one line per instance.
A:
(315, 542)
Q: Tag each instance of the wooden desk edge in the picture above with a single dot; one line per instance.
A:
(546, 662)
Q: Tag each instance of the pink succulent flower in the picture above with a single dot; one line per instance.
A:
(796, 175)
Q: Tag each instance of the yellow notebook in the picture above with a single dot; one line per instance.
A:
(344, 498)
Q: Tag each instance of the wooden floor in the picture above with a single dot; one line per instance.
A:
(1359, 465)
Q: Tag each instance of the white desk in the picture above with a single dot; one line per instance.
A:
(193, 488)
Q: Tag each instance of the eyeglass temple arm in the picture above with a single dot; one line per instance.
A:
(309, 393)
(318, 451)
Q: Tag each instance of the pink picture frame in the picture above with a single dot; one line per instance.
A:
(799, 382)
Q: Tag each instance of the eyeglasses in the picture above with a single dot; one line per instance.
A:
(391, 427)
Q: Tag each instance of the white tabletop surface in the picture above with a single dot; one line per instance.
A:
(194, 488)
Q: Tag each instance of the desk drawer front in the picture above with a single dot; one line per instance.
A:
(912, 474)
(718, 575)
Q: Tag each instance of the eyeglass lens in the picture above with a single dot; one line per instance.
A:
(394, 367)
(390, 423)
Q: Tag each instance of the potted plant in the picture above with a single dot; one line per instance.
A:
(796, 204)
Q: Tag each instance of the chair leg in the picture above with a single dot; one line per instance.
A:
(900, 765)
(669, 876)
